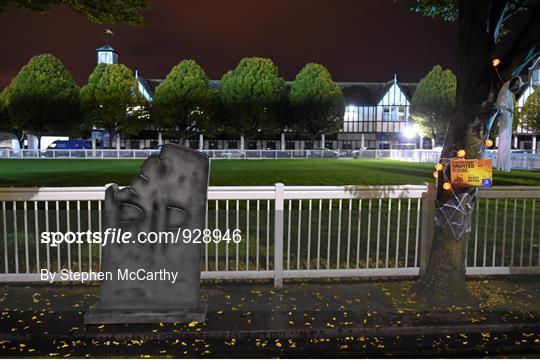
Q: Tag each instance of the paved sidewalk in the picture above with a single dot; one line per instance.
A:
(303, 319)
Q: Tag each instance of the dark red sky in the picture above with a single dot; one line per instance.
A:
(357, 40)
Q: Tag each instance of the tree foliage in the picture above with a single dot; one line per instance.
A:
(98, 11)
(446, 9)
(111, 101)
(4, 125)
(316, 101)
(500, 18)
(251, 95)
(184, 101)
(42, 98)
(433, 102)
(530, 114)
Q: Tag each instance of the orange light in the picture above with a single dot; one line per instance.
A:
(435, 174)
(461, 153)
(496, 62)
(446, 186)
(488, 143)
(439, 167)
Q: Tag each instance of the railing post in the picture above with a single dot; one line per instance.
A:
(278, 236)
(428, 225)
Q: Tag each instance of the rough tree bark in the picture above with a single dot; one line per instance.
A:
(112, 133)
(443, 283)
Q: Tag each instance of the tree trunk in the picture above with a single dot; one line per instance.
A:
(443, 282)
(112, 134)
(181, 139)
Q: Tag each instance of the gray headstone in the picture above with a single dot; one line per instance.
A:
(170, 193)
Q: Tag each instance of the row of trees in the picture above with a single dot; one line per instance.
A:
(43, 98)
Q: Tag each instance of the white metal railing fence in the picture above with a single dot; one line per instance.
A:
(228, 154)
(521, 159)
(287, 231)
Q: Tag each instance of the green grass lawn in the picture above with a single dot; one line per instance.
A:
(60, 172)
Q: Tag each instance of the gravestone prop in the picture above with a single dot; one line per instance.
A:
(169, 194)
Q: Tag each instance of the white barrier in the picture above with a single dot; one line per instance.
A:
(521, 159)
(287, 231)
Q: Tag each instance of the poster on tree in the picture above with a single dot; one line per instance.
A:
(472, 172)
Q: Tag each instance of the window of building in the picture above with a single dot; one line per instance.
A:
(394, 113)
(390, 113)
(351, 113)
(402, 113)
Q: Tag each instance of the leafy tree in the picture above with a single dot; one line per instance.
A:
(316, 101)
(111, 101)
(433, 101)
(481, 25)
(252, 95)
(530, 113)
(99, 11)
(4, 125)
(42, 98)
(184, 101)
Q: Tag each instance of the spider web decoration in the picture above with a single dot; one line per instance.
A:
(456, 212)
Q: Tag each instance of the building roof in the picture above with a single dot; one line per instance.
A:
(150, 84)
(358, 93)
(370, 93)
(106, 47)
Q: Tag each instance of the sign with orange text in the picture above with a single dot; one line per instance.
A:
(471, 172)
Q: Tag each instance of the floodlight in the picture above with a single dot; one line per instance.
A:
(410, 132)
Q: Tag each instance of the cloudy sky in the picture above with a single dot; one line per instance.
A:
(357, 40)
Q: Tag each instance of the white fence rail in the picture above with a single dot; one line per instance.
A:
(228, 154)
(521, 159)
(287, 231)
